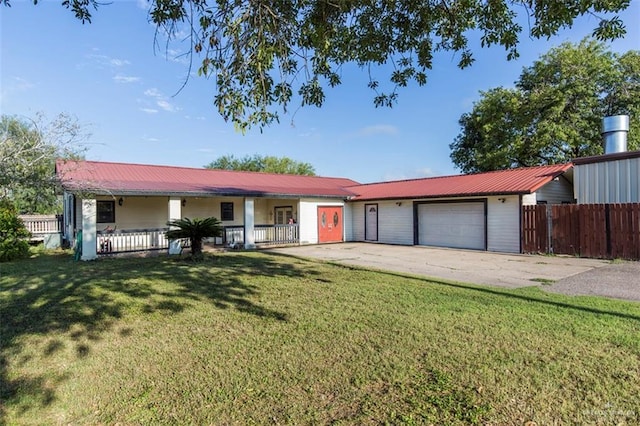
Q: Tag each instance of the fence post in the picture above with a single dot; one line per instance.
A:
(549, 229)
(607, 228)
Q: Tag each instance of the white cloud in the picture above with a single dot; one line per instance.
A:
(119, 78)
(176, 55)
(426, 172)
(150, 139)
(143, 4)
(105, 60)
(309, 133)
(19, 83)
(119, 62)
(165, 105)
(378, 129)
(160, 100)
(410, 174)
(149, 110)
(15, 84)
(153, 92)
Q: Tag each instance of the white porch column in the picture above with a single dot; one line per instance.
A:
(175, 212)
(89, 229)
(249, 224)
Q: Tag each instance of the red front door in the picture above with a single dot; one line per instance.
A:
(329, 224)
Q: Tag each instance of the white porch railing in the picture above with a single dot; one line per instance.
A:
(41, 225)
(264, 234)
(132, 240)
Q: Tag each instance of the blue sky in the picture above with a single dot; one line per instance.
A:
(108, 75)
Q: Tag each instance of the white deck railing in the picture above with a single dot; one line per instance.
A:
(40, 225)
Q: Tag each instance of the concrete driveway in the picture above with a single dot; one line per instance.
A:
(505, 270)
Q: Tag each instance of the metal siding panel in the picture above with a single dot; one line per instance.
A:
(608, 182)
(630, 180)
(347, 212)
(597, 185)
(634, 180)
(579, 183)
(613, 182)
(503, 225)
(395, 223)
(357, 221)
(556, 192)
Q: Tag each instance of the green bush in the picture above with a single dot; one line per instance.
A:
(13, 234)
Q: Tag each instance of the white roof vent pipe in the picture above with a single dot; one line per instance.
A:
(614, 133)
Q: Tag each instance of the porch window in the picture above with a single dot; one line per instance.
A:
(105, 211)
(283, 214)
(226, 211)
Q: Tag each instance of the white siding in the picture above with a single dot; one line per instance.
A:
(608, 182)
(395, 223)
(503, 224)
(556, 192)
(308, 218)
(348, 222)
(529, 199)
(357, 221)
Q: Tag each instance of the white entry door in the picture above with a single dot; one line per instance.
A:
(371, 222)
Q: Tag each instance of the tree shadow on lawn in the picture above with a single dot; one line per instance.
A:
(52, 294)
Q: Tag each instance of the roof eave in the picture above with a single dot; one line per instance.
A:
(207, 194)
(442, 196)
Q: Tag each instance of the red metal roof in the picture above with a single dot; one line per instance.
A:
(132, 179)
(502, 182)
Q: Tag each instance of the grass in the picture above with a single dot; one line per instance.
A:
(253, 338)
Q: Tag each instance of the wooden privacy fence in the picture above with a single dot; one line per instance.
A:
(587, 230)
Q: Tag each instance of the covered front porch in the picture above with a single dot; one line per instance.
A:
(131, 223)
(134, 240)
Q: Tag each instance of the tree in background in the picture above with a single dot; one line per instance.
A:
(28, 151)
(260, 53)
(554, 113)
(267, 164)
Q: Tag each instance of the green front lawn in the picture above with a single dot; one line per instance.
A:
(253, 338)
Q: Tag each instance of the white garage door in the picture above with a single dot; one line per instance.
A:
(458, 225)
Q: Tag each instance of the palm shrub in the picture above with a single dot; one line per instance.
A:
(13, 233)
(195, 230)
